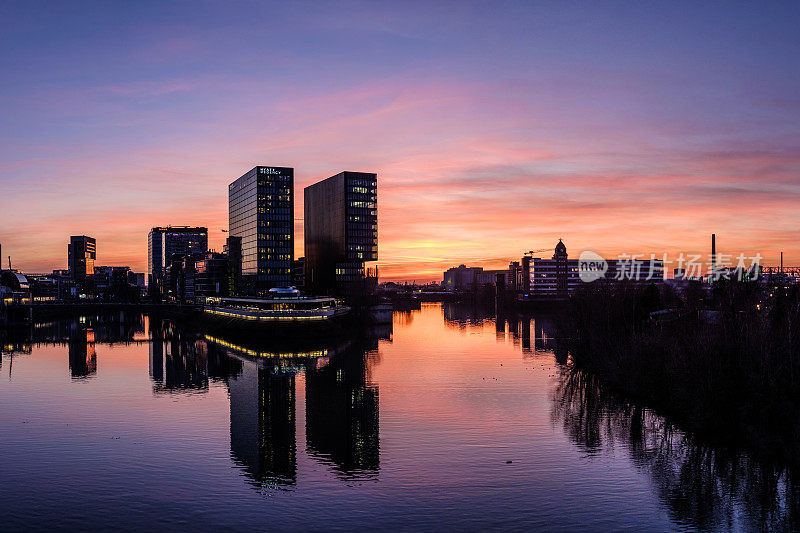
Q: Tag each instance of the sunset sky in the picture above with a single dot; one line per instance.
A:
(494, 127)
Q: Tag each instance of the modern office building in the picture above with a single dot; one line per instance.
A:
(211, 277)
(165, 242)
(81, 253)
(560, 276)
(341, 231)
(261, 213)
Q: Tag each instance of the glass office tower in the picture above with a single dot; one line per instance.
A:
(261, 212)
(341, 231)
(164, 242)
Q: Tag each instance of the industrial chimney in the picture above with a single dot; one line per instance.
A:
(713, 256)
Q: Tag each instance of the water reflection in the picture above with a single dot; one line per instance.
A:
(341, 405)
(14, 342)
(82, 355)
(341, 402)
(342, 414)
(107, 328)
(178, 363)
(81, 335)
(534, 334)
(263, 424)
(469, 313)
(701, 486)
(303, 417)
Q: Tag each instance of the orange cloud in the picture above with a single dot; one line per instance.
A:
(470, 173)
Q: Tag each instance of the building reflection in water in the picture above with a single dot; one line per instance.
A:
(341, 404)
(342, 414)
(463, 314)
(532, 333)
(701, 486)
(178, 364)
(80, 334)
(82, 355)
(14, 342)
(341, 407)
(263, 421)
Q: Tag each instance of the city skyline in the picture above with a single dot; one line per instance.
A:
(516, 265)
(652, 129)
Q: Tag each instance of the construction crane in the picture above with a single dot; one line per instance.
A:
(531, 252)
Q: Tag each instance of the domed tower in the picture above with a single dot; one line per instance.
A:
(562, 269)
(561, 250)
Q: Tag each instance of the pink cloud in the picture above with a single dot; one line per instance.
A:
(469, 173)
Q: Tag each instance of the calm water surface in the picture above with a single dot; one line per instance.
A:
(450, 419)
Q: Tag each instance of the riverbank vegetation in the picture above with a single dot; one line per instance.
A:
(725, 364)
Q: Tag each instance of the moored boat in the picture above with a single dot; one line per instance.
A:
(280, 306)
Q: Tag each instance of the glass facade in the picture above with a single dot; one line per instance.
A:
(164, 242)
(261, 213)
(341, 230)
(361, 225)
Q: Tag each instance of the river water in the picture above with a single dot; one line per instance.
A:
(448, 419)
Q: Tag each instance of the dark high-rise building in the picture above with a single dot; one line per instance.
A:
(341, 231)
(81, 253)
(233, 251)
(164, 243)
(261, 212)
(211, 277)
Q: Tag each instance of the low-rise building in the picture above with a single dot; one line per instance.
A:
(462, 278)
(559, 276)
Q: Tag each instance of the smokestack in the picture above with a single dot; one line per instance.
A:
(713, 255)
(781, 262)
